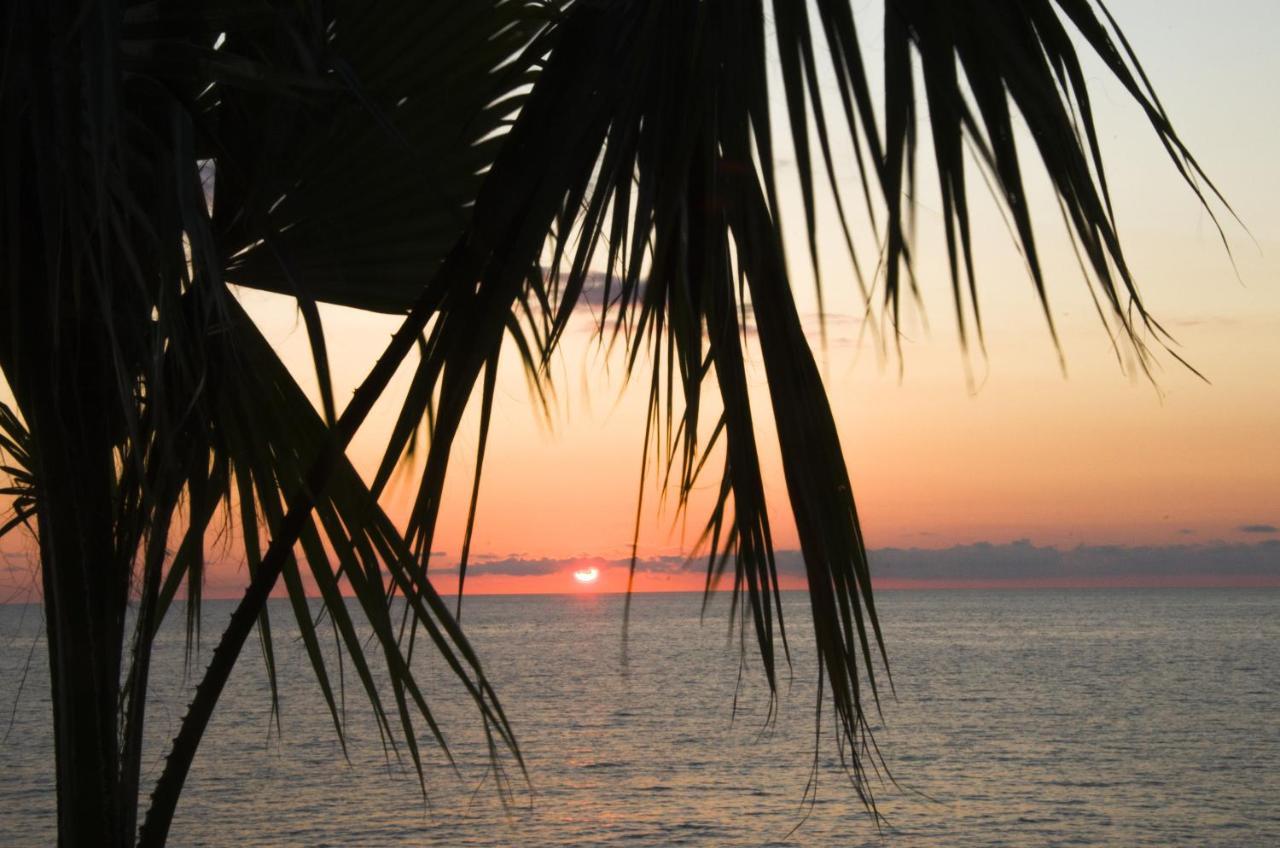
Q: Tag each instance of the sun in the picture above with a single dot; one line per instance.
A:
(587, 575)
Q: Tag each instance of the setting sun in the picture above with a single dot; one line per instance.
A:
(587, 575)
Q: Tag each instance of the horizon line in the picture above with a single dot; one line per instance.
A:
(1208, 582)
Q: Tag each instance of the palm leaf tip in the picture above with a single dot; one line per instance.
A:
(986, 70)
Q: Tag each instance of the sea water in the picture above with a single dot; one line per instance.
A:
(1021, 718)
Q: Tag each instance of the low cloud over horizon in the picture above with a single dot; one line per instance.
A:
(1016, 564)
(1020, 560)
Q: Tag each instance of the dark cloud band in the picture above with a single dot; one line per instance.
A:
(1018, 560)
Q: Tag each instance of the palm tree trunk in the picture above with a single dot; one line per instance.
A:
(85, 587)
(56, 355)
(84, 622)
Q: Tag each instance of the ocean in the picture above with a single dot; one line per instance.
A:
(1021, 718)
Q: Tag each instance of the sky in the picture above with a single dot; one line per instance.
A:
(1040, 467)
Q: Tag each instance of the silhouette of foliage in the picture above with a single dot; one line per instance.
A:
(470, 165)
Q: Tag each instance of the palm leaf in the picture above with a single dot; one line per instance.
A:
(190, 407)
(265, 444)
(362, 209)
(271, 438)
(360, 154)
(15, 452)
(661, 180)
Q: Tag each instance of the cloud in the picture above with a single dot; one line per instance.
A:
(843, 329)
(1019, 560)
(1258, 528)
(519, 566)
(1022, 560)
(510, 567)
(14, 563)
(593, 289)
(1207, 321)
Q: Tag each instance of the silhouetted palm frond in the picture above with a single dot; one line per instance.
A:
(470, 164)
(15, 452)
(645, 154)
(152, 152)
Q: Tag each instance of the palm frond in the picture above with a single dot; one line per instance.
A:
(276, 162)
(471, 164)
(194, 146)
(985, 67)
(361, 207)
(15, 453)
(661, 179)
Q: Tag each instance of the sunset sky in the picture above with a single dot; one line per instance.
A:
(1072, 462)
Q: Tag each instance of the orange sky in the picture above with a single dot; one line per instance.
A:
(1091, 458)
(1094, 457)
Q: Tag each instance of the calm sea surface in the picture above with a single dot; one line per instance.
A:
(1124, 717)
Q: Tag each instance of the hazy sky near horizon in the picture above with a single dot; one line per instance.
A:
(1021, 450)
